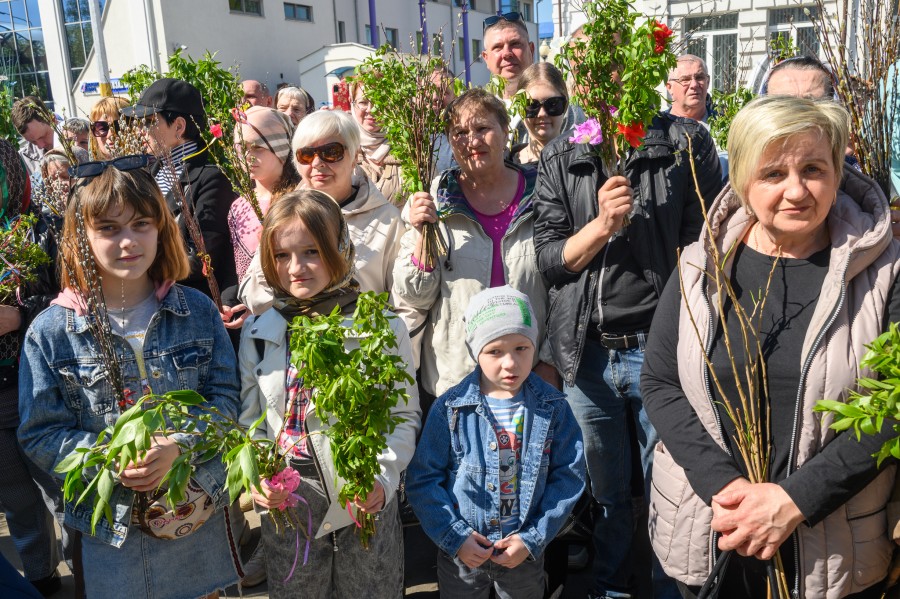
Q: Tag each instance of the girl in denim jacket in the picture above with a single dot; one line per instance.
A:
(500, 463)
(307, 258)
(166, 337)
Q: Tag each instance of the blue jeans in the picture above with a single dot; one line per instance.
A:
(606, 394)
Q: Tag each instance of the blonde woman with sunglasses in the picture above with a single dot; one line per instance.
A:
(545, 111)
(324, 151)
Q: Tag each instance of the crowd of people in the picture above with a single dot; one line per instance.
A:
(570, 349)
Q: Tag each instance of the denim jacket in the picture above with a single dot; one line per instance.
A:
(65, 399)
(453, 481)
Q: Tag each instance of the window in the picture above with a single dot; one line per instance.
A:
(79, 36)
(342, 32)
(419, 41)
(392, 37)
(525, 9)
(476, 50)
(250, 7)
(509, 6)
(714, 38)
(795, 24)
(470, 4)
(437, 44)
(297, 12)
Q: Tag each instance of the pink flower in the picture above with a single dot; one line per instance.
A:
(288, 477)
(286, 480)
(588, 132)
(216, 130)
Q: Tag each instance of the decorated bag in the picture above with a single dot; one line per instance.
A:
(154, 516)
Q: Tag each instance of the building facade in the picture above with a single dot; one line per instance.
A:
(47, 45)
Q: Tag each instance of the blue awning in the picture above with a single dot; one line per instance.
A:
(339, 72)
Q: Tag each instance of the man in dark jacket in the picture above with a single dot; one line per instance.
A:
(606, 279)
(174, 115)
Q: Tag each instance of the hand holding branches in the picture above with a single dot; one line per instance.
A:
(754, 519)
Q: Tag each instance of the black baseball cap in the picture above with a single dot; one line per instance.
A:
(167, 94)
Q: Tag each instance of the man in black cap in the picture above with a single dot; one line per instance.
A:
(173, 112)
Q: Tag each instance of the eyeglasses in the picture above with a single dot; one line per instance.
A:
(333, 152)
(123, 163)
(699, 78)
(363, 104)
(101, 128)
(554, 106)
(512, 17)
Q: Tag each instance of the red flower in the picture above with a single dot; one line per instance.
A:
(216, 130)
(661, 35)
(634, 133)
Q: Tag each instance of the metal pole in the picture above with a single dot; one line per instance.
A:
(100, 48)
(373, 25)
(424, 26)
(467, 52)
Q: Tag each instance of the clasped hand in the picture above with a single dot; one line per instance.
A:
(754, 519)
(477, 549)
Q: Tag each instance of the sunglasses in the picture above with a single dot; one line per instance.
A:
(86, 170)
(333, 152)
(101, 128)
(554, 106)
(512, 17)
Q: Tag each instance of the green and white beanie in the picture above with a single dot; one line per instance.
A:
(496, 312)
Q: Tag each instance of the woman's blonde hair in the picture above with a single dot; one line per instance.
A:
(544, 72)
(321, 216)
(773, 119)
(112, 189)
(111, 107)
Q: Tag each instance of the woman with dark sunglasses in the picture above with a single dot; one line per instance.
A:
(104, 119)
(324, 149)
(547, 103)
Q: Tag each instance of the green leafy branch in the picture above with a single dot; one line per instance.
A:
(725, 108)
(92, 472)
(617, 39)
(19, 256)
(405, 97)
(878, 398)
(355, 390)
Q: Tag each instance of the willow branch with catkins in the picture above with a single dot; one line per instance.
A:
(867, 78)
(749, 412)
(187, 214)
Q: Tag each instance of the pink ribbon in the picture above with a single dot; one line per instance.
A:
(308, 535)
(352, 517)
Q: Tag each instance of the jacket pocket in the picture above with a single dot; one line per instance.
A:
(666, 494)
(867, 518)
(88, 381)
(192, 364)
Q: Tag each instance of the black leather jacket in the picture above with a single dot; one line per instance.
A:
(667, 216)
(210, 194)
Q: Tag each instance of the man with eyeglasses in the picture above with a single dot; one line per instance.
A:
(688, 85)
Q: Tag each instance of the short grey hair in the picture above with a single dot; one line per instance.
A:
(323, 124)
(688, 58)
(77, 125)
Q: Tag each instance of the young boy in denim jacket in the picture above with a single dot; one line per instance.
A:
(500, 463)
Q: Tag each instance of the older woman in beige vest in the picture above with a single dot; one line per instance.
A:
(819, 238)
